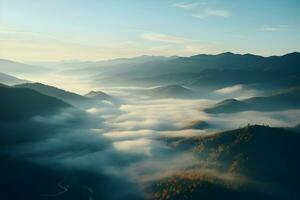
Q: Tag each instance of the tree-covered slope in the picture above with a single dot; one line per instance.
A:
(254, 162)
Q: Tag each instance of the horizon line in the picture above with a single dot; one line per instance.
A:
(148, 55)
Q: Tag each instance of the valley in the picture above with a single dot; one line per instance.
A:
(196, 131)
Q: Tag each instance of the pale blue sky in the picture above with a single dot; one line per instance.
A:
(49, 30)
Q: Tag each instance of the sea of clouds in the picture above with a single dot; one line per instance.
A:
(127, 140)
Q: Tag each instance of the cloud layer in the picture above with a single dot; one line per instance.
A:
(129, 142)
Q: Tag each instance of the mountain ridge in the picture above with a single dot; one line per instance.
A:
(34, 103)
(10, 80)
(219, 70)
(282, 100)
(58, 93)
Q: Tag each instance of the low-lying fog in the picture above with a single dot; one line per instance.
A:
(127, 141)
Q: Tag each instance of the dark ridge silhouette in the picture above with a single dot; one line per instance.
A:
(23, 103)
(66, 96)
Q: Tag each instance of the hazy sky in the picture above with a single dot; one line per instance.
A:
(50, 30)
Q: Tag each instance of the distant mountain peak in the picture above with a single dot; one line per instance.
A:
(228, 53)
(230, 101)
(292, 54)
(97, 94)
(171, 91)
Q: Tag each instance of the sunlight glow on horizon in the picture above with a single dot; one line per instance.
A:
(92, 30)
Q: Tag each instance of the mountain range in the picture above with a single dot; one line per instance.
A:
(204, 72)
(208, 71)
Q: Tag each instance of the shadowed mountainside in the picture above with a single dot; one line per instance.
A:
(41, 182)
(66, 96)
(22, 103)
(18, 107)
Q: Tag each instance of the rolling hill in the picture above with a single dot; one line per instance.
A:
(283, 100)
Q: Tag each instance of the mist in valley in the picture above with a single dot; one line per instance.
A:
(127, 144)
(149, 100)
